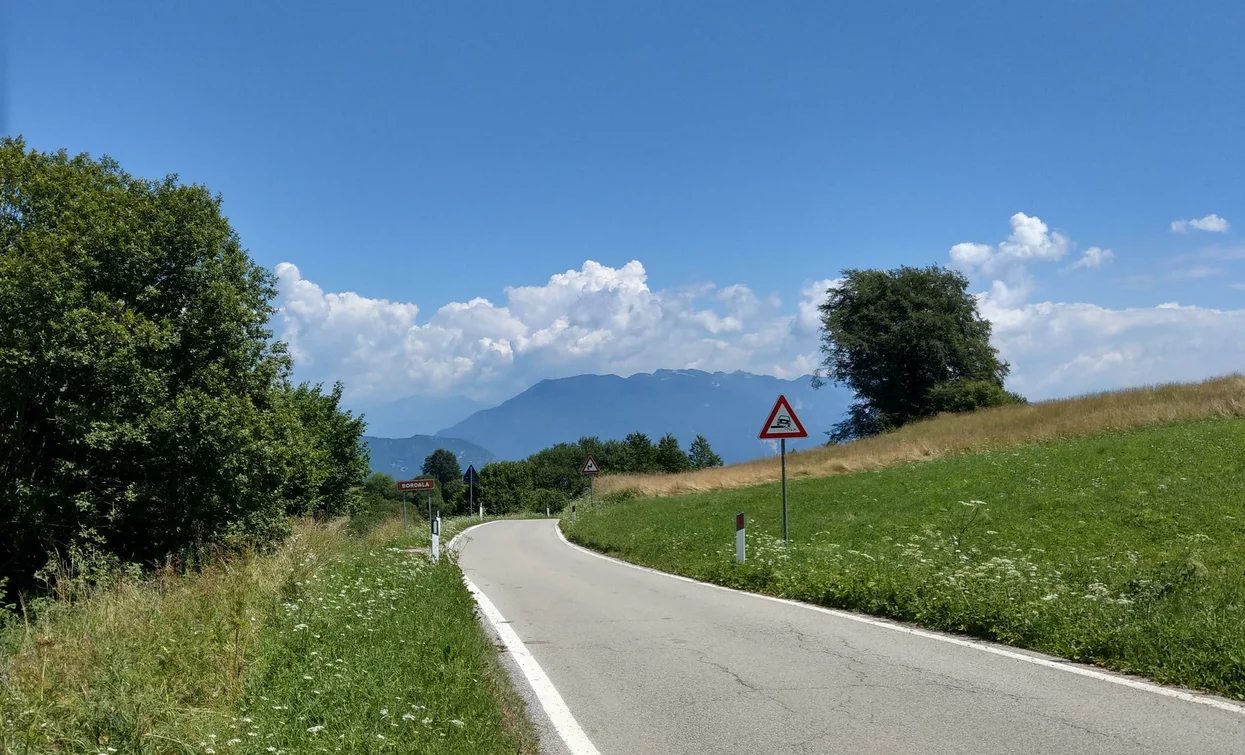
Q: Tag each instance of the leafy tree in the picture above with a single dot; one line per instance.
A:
(702, 455)
(615, 457)
(442, 466)
(641, 453)
(537, 499)
(670, 458)
(328, 458)
(381, 485)
(558, 468)
(893, 336)
(502, 484)
(145, 408)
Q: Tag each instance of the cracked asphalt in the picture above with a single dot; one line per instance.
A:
(649, 664)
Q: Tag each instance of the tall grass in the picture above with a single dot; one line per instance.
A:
(215, 660)
(964, 433)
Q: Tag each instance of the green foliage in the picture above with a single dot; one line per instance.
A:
(502, 484)
(957, 396)
(1126, 550)
(536, 501)
(892, 336)
(702, 456)
(558, 468)
(552, 476)
(669, 457)
(325, 458)
(379, 500)
(145, 408)
(442, 466)
(641, 453)
(615, 457)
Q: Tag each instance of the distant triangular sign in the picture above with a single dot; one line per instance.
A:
(590, 467)
(471, 477)
(782, 423)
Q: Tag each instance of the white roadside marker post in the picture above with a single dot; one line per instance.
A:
(739, 538)
(436, 538)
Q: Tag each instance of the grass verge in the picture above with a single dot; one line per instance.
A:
(1126, 549)
(333, 643)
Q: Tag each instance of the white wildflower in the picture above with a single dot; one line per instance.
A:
(315, 729)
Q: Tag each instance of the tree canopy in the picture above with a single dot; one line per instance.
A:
(442, 466)
(702, 456)
(910, 343)
(551, 477)
(145, 407)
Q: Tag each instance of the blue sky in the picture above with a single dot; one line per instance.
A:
(429, 154)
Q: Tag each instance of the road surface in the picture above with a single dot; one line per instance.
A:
(651, 664)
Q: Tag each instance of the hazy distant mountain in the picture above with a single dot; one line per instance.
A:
(403, 457)
(727, 408)
(416, 414)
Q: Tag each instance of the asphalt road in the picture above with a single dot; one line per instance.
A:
(651, 664)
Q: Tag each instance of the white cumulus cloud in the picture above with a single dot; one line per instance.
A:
(594, 319)
(1093, 257)
(1212, 223)
(1065, 348)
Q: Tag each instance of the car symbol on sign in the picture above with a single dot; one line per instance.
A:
(782, 423)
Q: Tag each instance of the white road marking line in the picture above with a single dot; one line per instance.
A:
(1068, 666)
(555, 707)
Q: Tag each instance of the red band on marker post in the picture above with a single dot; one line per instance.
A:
(739, 521)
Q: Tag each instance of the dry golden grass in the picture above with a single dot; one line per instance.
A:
(966, 433)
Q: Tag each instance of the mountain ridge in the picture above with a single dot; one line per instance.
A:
(403, 458)
(728, 408)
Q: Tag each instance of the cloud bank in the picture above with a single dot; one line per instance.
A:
(602, 319)
(594, 319)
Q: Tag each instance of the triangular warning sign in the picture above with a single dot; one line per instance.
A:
(782, 423)
(590, 467)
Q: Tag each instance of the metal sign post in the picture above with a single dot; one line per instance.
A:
(783, 424)
(404, 515)
(786, 537)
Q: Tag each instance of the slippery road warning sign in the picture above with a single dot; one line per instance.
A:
(590, 467)
(782, 423)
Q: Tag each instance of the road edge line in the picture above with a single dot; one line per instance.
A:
(568, 729)
(1070, 667)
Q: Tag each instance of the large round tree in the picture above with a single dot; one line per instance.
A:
(909, 343)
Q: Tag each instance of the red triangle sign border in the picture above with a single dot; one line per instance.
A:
(782, 403)
(590, 467)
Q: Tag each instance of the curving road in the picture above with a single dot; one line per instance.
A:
(651, 664)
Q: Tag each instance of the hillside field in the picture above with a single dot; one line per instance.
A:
(951, 435)
(1125, 549)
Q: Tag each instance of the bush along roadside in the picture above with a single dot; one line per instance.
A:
(334, 643)
(1126, 550)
